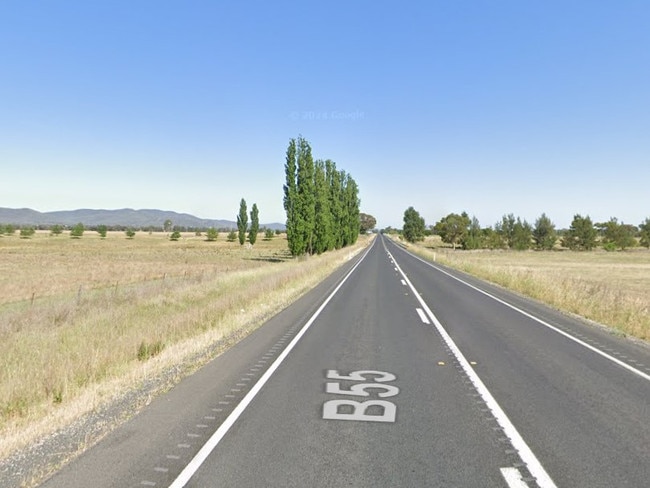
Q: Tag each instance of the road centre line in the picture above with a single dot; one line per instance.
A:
(542, 322)
(196, 462)
(525, 453)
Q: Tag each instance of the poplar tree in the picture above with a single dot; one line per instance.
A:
(242, 221)
(306, 199)
(333, 177)
(322, 215)
(321, 202)
(291, 200)
(255, 225)
(352, 223)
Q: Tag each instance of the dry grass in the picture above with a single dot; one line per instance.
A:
(81, 320)
(607, 287)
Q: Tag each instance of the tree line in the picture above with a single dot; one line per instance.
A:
(321, 202)
(512, 232)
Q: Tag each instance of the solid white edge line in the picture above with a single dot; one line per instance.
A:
(513, 478)
(526, 454)
(214, 440)
(423, 317)
(623, 364)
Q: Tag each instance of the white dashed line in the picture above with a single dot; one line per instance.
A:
(524, 451)
(215, 439)
(423, 317)
(513, 478)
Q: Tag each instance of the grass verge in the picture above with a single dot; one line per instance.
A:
(608, 288)
(69, 353)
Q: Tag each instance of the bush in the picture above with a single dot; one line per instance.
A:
(146, 351)
(175, 236)
(27, 232)
(232, 236)
(77, 231)
(212, 234)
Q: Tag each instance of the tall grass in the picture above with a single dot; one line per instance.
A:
(74, 338)
(608, 288)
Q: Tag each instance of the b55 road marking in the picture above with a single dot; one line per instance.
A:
(367, 411)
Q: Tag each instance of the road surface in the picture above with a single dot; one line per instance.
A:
(396, 372)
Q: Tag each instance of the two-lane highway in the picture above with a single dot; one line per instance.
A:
(394, 373)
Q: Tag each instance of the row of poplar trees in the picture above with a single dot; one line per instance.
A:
(322, 203)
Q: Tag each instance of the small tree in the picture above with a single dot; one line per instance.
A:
(413, 229)
(77, 231)
(232, 235)
(56, 230)
(268, 234)
(167, 226)
(212, 234)
(10, 229)
(521, 235)
(255, 225)
(366, 222)
(130, 233)
(544, 234)
(581, 236)
(27, 232)
(644, 231)
(102, 230)
(242, 222)
(453, 228)
(617, 235)
(507, 229)
(473, 238)
(175, 236)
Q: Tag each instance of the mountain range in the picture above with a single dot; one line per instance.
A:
(126, 217)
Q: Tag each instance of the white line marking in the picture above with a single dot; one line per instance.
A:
(527, 456)
(513, 478)
(172, 456)
(160, 469)
(214, 440)
(403, 282)
(542, 322)
(423, 317)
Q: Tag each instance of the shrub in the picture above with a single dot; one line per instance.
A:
(212, 234)
(146, 350)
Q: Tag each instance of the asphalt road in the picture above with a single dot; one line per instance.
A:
(395, 372)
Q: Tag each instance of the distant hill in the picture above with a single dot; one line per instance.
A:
(126, 217)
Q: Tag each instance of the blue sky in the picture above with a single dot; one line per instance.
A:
(486, 106)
